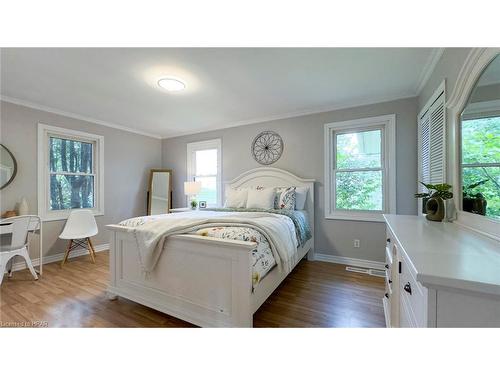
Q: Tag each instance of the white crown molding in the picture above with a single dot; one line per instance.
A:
(282, 116)
(287, 115)
(428, 69)
(76, 116)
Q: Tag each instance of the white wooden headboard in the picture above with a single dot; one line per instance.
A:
(274, 177)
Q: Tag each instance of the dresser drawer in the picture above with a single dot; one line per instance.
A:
(413, 295)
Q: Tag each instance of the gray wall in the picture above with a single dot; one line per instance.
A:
(303, 156)
(127, 160)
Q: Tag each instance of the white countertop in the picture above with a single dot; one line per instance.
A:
(448, 255)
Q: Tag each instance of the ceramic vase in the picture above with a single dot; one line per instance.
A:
(435, 209)
(23, 207)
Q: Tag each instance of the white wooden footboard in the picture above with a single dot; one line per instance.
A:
(202, 280)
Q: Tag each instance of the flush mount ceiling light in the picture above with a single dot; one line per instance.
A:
(171, 84)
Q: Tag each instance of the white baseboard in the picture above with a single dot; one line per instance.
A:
(58, 257)
(349, 261)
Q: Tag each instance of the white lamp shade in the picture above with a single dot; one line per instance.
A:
(192, 187)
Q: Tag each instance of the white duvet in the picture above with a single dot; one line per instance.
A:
(150, 232)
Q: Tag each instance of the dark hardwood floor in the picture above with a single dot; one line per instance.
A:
(315, 294)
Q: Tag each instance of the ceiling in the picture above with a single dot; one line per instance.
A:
(225, 86)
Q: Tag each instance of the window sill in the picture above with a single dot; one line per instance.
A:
(376, 218)
(59, 216)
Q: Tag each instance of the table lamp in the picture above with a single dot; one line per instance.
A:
(191, 188)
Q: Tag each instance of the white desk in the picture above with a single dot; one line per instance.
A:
(6, 228)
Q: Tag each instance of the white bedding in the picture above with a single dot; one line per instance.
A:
(150, 232)
(262, 256)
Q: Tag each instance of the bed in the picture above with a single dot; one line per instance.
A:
(207, 281)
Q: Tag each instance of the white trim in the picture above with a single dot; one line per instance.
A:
(58, 257)
(475, 63)
(388, 124)
(43, 172)
(281, 116)
(436, 94)
(349, 261)
(429, 67)
(76, 116)
(205, 145)
(357, 216)
(293, 114)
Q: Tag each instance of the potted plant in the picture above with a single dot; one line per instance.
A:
(474, 202)
(433, 203)
(194, 204)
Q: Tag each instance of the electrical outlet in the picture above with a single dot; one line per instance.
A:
(356, 243)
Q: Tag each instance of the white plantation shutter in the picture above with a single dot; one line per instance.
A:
(437, 150)
(425, 133)
(432, 135)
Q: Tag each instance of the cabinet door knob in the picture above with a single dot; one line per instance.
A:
(387, 295)
(387, 266)
(407, 288)
(388, 240)
(390, 281)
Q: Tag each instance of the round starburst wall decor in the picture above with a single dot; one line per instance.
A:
(267, 147)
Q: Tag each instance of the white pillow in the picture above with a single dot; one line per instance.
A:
(300, 197)
(236, 198)
(261, 198)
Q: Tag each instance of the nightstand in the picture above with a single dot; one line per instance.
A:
(182, 209)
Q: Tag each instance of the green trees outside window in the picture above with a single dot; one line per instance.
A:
(71, 174)
(481, 164)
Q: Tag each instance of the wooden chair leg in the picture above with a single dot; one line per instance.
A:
(91, 250)
(68, 249)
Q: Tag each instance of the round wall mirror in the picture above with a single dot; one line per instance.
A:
(480, 145)
(8, 166)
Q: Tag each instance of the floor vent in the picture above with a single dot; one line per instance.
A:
(368, 271)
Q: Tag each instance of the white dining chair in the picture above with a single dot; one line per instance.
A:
(19, 243)
(79, 227)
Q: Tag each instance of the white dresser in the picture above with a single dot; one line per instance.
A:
(440, 275)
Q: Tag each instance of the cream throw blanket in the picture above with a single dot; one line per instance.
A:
(150, 232)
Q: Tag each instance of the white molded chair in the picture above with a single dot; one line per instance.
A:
(79, 227)
(19, 243)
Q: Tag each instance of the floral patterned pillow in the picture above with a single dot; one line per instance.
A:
(285, 198)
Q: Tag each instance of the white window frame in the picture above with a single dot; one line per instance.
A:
(44, 133)
(387, 124)
(191, 160)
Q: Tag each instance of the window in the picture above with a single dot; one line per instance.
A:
(360, 168)
(70, 172)
(204, 165)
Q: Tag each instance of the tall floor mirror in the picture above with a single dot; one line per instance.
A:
(160, 191)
